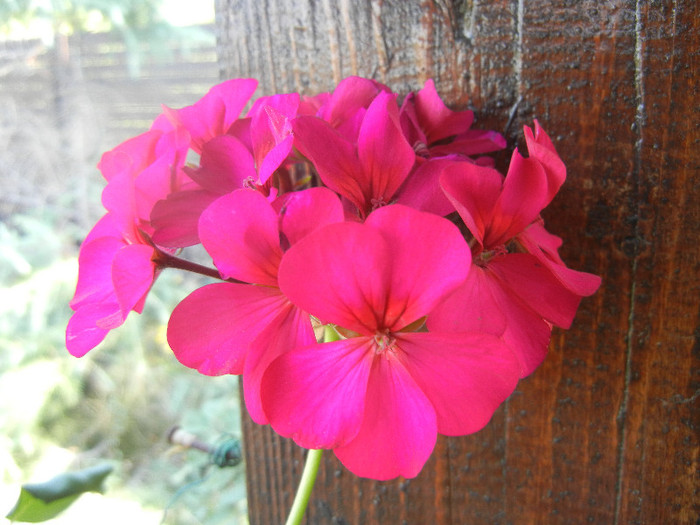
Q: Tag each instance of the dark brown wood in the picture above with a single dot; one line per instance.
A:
(606, 431)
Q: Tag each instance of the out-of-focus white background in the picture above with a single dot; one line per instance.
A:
(76, 78)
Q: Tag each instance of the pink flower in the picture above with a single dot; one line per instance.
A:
(247, 155)
(518, 287)
(379, 397)
(215, 113)
(117, 267)
(363, 173)
(235, 328)
(434, 130)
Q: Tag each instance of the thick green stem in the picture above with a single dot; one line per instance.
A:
(306, 485)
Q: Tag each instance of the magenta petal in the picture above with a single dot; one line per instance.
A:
(422, 273)
(350, 95)
(472, 307)
(470, 143)
(526, 332)
(176, 219)
(465, 376)
(483, 304)
(83, 334)
(473, 191)
(334, 157)
(526, 277)
(521, 201)
(212, 328)
(307, 210)
(290, 329)
(316, 395)
(422, 189)
(340, 273)
(545, 246)
(540, 147)
(215, 112)
(240, 232)
(399, 428)
(95, 270)
(133, 273)
(383, 174)
(436, 119)
(275, 158)
(225, 165)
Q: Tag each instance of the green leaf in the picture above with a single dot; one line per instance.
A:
(43, 501)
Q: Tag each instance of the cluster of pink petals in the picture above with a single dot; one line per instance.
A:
(383, 224)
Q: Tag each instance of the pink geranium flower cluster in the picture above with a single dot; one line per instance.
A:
(382, 225)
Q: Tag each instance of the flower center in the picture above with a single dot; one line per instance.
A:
(384, 341)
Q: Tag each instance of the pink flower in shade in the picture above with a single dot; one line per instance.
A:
(215, 113)
(518, 286)
(434, 130)
(114, 278)
(345, 108)
(237, 328)
(247, 155)
(379, 397)
(363, 173)
(117, 267)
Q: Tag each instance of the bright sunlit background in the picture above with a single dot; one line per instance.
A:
(76, 78)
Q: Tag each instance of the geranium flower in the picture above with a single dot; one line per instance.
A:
(117, 267)
(234, 328)
(379, 397)
(434, 130)
(519, 286)
(245, 156)
(363, 173)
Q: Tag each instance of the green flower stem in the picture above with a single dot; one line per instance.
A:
(306, 485)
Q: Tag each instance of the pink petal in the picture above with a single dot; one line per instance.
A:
(470, 143)
(473, 191)
(133, 273)
(522, 199)
(214, 113)
(334, 157)
(316, 394)
(540, 147)
(240, 232)
(212, 328)
(545, 246)
(399, 429)
(435, 118)
(340, 273)
(483, 304)
(271, 131)
(176, 219)
(465, 376)
(95, 270)
(349, 96)
(422, 273)
(472, 307)
(526, 277)
(383, 174)
(305, 211)
(225, 165)
(290, 329)
(83, 334)
(422, 189)
(275, 158)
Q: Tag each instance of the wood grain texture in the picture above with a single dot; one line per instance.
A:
(606, 431)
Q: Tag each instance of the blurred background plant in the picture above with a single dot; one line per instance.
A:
(66, 100)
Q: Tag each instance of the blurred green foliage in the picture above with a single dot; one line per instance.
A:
(118, 402)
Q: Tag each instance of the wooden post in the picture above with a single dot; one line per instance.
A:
(606, 431)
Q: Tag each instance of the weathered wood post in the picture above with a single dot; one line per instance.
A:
(606, 431)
